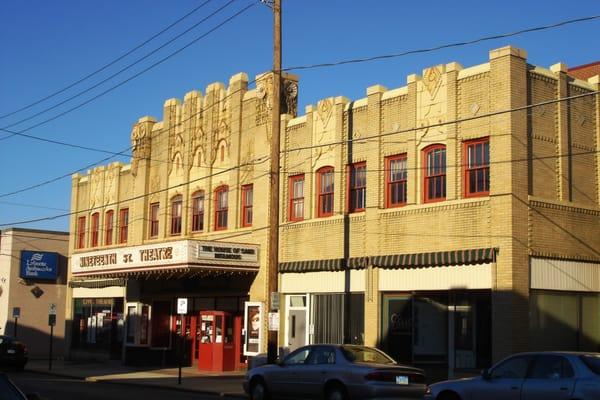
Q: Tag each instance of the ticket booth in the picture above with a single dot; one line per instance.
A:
(218, 341)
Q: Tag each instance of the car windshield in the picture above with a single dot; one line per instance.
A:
(592, 362)
(357, 354)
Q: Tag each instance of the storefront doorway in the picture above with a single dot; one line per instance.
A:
(296, 329)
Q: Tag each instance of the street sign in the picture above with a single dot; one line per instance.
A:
(51, 319)
(16, 312)
(274, 300)
(273, 321)
(52, 309)
(182, 305)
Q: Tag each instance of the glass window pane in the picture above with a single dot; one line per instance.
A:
(513, 368)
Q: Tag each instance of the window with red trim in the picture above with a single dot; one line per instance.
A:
(176, 211)
(123, 225)
(357, 184)
(396, 176)
(296, 187)
(434, 172)
(109, 220)
(198, 211)
(247, 199)
(477, 167)
(221, 208)
(81, 232)
(154, 209)
(95, 229)
(325, 192)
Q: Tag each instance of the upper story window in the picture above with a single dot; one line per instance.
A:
(221, 208)
(123, 225)
(325, 192)
(109, 221)
(80, 232)
(477, 167)
(357, 185)
(95, 229)
(296, 211)
(198, 211)
(395, 181)
(434, 171)
(247, 200)
(176, 211)
(154, 209)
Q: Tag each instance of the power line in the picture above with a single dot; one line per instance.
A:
(21, 132)
(444, 46)
(111, 63)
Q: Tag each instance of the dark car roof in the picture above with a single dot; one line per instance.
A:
(557, 352)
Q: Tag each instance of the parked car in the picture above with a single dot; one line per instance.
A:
(335, 372)
(12, 352)
(531, 376)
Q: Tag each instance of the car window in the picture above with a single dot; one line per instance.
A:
(322, 355)
(551, 367)
(359, 354)
(592, 362)
(513, 368)
(297, 357)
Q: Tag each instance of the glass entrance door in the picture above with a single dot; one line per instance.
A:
(397, 327)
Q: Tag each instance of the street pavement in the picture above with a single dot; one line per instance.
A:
(222, 384)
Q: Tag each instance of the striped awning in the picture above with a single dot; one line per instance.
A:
(414, 260)
(97, 283)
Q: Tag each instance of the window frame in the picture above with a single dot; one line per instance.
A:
(81, 232)
(246, 222)
(292, 199)
(224, 210)
(154, 221)
(109, 220)
(95, 230)
(198, 197)
(322, 195)
(467, 170)
(352, 190)
(123, 225)
(426, 177)
(176, 206)
(400, 182)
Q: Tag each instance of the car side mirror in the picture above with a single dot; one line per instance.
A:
(485, 374)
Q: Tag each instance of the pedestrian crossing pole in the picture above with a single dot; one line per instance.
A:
(274, 172)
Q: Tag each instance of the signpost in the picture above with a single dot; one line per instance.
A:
(182, 304)
(51, 322)
(16, 316)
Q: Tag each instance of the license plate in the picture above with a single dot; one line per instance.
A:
(11, 351)
(401, 380)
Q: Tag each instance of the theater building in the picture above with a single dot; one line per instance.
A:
(450, 221)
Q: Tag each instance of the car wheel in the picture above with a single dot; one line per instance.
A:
(448, 396)
(258, 391)
(336, 392)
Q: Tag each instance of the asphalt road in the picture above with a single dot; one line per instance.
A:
(58, 388)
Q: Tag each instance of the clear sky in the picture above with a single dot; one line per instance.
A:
(47, 45)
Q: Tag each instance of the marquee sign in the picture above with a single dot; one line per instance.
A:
(39, 265)
(191, 253)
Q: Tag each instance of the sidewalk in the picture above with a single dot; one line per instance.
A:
(224, 384)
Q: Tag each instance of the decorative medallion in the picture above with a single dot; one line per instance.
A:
(475, 108)
(37, 292)
(140, 145)
(290, 98)
(581, 119)
(324, 110)
(432, 79)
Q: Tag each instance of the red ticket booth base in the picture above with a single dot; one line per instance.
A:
(219, 342)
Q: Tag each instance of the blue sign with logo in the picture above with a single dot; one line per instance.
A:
(39, 265)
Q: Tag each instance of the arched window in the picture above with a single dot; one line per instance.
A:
(95, 229)
(198, 211)
(325, 192)
(109, 221)
(221, 208)
(434, 173)
(176, 211)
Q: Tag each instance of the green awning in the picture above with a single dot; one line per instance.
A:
(393, 261)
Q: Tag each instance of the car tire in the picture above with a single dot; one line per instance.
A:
(258, 391)
(336, 392)
(448, 396)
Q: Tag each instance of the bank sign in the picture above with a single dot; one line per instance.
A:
(39, 265)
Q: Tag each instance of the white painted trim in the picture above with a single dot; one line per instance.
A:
(553, 274)
(322, 282)
(436, 278)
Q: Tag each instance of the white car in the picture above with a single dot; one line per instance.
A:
(529, 376)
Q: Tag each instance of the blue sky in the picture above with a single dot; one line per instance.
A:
(47, 45)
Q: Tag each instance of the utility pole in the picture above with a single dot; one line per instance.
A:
(274, 172)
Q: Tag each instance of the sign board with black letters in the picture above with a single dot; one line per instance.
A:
(52, 309)
(16, 312)
(51, 319)
(182, 305)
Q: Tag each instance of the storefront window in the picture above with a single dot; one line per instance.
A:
(98, 325)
